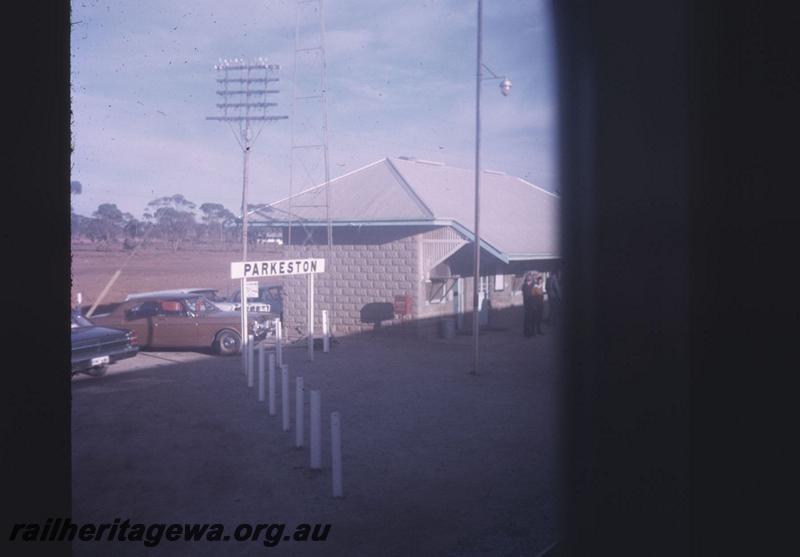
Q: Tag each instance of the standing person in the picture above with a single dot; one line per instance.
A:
(527, 303)
(553, 289)
(537, 305)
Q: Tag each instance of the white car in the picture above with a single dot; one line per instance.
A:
(270, 299)
(237, 306)
(209, 293)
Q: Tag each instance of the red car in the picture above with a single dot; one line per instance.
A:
(189, 321)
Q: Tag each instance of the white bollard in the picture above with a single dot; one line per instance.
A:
(298, 414)
(316, 430)
(250, 361)
(326, 338)
(279, 341)
(285, 396)
(336, 453)
(271, 384)
(243, 348)
(260, 373)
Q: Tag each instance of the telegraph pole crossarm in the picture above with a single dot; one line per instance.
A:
(245, 106)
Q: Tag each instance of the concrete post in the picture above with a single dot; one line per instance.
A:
(299, 409)
(285, 396)
(326, 337)
(260, 373)
(250, 377)
(272, 384)
(316, 430)
(279, 341)
(336, 453)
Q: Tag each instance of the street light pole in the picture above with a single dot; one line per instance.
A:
(505, 88)
(476, 270)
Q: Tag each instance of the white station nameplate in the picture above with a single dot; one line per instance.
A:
(259, 269)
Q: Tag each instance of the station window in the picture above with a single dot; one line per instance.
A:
(436, 291)
(516, 284)
(440, 290)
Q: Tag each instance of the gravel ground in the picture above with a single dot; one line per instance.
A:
(436, 461)
(152, 269)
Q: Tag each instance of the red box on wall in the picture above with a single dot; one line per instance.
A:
(402, 305)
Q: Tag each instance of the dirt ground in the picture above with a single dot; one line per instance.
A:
(152, 269)
(435, 461)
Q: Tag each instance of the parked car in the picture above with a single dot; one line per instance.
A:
(209, 293)
(270, 299)
(187, 321)
(94, 348)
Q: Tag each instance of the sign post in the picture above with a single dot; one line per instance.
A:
(287, 267)
(252, 288)
(249, 289)
(243, 324)
(310, 318)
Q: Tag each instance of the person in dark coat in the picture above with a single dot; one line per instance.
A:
(553, 290)
(527, 294)
(537, 305)
(527, 303)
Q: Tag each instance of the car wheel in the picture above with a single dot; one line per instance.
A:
(98, 371)
(227, 343)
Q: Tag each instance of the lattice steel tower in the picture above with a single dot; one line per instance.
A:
(309, 167)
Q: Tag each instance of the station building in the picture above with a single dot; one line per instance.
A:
(403, 246)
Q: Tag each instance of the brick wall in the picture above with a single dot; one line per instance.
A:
(363, 273)
(504, 298)
(373, 265)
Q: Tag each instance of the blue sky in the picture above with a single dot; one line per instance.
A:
(401, 82)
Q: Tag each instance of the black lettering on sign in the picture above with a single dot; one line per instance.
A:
(280, 267)
(264, 268)
(314, 266)
(290, 267)
(272, 270)
(247, 267)
(305, 266)
(255, 270)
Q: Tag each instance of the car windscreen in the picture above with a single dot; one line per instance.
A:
(201, 304)
(265, 294)
(210, 295)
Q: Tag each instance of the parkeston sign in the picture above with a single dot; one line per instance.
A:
(259, 269)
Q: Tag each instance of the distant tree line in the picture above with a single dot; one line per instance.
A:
(173, 220)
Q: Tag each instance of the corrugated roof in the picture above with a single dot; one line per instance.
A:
(518, 219)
